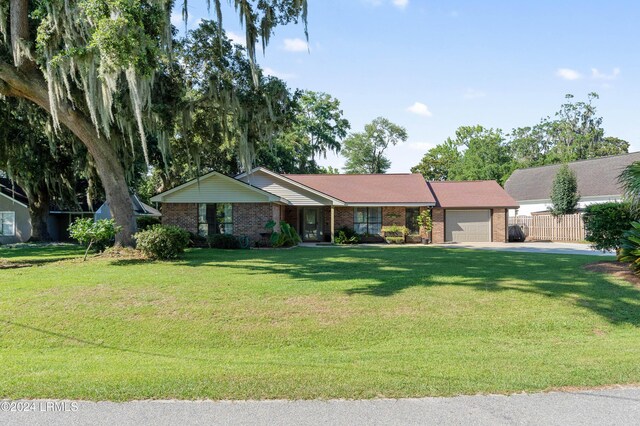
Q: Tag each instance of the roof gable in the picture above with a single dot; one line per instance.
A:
(596, 177)
(215, 187)
(295, 192)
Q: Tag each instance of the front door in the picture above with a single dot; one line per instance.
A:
(311, 224)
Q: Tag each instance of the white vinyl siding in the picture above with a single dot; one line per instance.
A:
(216, 189)
(7, 224)
(296, 195)
(462, 226)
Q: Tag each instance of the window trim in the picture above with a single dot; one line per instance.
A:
(13, 230)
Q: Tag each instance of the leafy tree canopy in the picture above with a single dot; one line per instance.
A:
(564, 192)
(364, 151)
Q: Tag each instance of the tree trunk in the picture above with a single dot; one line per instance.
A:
(30, 85)
(39, 213)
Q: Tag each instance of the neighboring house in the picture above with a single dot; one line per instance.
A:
(317, 205)
(139, 209)
(597, 183)
(15, 222)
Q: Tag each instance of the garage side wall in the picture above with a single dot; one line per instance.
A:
(499, 225)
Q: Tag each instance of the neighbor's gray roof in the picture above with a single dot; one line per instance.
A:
(596, 177)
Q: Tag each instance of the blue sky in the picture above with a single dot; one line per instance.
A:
(432, 66)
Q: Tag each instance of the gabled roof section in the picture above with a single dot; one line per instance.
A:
(471, 194)
(292, 182)
(215, 187)
(11, 190)
(383, 189)
(596, 177)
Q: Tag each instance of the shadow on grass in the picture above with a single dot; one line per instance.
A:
(384, 272)
(25, 255)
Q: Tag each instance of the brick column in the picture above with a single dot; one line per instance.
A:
(437, 233)
(499, 225)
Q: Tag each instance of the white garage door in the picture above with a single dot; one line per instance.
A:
(465, 226)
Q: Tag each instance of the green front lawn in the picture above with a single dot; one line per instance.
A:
(354, 322)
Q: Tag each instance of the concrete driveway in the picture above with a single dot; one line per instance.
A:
(532, 247)
(619, 406)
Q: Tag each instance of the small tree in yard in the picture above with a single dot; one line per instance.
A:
(606, 223)
(93, 233)
(564, 192)
(424, 221)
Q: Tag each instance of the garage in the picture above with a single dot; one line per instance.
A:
(465, 226)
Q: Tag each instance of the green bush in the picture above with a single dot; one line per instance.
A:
(564, 192)
(424, 221)
(346, 235)
(606, 223)
(223, 241)
(93, 234)
(146, 222)
(162, 242)
(395, 231)
(630, 248)
(394, 240)
(287, 237)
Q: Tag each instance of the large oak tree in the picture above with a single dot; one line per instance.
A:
(93, 66)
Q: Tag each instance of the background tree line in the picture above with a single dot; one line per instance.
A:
(575, 132)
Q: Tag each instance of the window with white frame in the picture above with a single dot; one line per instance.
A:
(7, 224)
(367, 220)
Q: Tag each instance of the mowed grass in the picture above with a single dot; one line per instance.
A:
(343, 322)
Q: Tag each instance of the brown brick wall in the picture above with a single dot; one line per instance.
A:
(393, 216)
(291, 216)
(499, 225)
(250, 218)
(184, 215)
(437, 234)
(343, 217)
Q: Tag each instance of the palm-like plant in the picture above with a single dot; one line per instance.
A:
(630, 180)
(630, 248)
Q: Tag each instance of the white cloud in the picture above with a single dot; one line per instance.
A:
(568, 74)
(237, 38)
(274, 73)
(420, 109)
(400, 4)
(474, 94)
(420, 146)
(176, 19)
(597, 75)
(295, 45)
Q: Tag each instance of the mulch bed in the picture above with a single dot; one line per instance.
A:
(617, 269)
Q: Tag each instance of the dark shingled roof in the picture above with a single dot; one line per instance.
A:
(12, 190)
(471, 194)
(596, 177)
(376, 188)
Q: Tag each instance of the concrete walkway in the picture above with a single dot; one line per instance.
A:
(532, 247)
(619, 406)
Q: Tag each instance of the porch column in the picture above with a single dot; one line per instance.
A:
(333, 217)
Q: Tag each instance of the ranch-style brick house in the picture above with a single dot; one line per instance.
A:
(317, 205)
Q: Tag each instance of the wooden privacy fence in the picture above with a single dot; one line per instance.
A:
(568, 227)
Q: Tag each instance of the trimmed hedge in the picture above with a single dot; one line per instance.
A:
(606, 223)
(162, 242)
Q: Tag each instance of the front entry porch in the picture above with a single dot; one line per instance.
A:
(313, 223)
